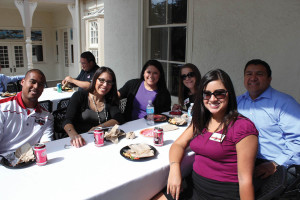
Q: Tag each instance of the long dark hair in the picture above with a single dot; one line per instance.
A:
(201, 115)
(112, 96)
(161, 84)
(182, 89)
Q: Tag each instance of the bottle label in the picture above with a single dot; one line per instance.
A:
(150, 110)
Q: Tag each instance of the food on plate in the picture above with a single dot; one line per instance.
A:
(67, 89)
(175, 112)
(148, 132)
(177, 121)
(137, 151)
(160, 118)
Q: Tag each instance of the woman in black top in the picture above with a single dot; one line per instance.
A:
(96, 107)
(151, 82)
(189, 81)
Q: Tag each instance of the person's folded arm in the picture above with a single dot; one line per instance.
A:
(289, 124)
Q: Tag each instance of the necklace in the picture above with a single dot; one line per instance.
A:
(98, 113)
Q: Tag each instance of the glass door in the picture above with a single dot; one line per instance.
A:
(12, 59)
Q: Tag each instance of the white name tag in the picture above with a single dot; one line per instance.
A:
(217, 137)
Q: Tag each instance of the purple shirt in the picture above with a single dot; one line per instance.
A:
(218, 161)
(140, 101)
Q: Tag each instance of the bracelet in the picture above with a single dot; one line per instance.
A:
(171, 163)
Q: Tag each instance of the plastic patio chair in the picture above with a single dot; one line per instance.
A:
(12, 87)
(273, 186)
(63, 103)
(47, 104)
(59, 116)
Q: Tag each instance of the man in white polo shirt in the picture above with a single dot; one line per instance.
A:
(22, 119)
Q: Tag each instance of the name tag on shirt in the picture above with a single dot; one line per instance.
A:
(186, 101)
(217, 137)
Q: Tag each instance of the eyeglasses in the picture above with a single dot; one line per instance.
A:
(219, 94)
(190, 75)
(102, 81)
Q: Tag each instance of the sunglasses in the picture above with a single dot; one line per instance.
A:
(102, 81)
(219, 94)
(189, 75)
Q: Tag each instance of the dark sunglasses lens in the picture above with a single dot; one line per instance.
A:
(220, 95)
(183, 76)
(206, 95)
(190, 74)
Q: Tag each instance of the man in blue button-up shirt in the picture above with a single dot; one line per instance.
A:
(276, 116)
(6, 79)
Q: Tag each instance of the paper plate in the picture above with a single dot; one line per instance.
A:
(148, 132)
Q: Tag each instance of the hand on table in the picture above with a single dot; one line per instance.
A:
(174, 181)
(176, 107)
(77, 141)
(265, 170)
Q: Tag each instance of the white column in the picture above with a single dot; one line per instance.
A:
(26, 10)
(74, 10)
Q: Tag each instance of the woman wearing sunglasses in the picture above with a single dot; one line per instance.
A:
(224, 142)
(189, 81)
(150, 86)
(96, 107)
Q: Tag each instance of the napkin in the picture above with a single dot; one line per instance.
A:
(113, 134)
(140, 150)
(24, 153)
(130, 135)
(169, 127)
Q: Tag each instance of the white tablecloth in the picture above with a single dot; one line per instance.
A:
(94, 172)
(54, 96)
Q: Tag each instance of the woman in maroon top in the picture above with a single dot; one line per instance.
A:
(225, 144)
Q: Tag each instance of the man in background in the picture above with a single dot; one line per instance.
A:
(89, 67)
(276, 116)
(6, 79)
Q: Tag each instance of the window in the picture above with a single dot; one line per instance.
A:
(93, 39)
(93, 33)
(166, 29)
(4, 61)
(19, 56)
(66, 49)
(37, 46)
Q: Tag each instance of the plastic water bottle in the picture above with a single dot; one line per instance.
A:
(150, 113)
(190, 114)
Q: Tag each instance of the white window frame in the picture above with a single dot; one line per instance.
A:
(93, 34)
(189, 30)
